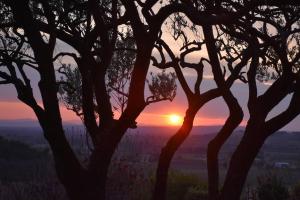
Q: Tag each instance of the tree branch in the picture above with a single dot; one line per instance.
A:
(293, 110)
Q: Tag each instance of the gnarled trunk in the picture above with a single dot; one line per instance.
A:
(168, 152)
(241, 162)
(214, 146)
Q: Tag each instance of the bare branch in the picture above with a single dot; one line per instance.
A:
(151, 100)
(293, 110)
(61, 54)
(5, 82)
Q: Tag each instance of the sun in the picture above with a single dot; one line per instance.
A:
(174, 119)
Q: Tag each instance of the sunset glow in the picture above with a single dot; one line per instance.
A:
(16, 110)
(175, 119)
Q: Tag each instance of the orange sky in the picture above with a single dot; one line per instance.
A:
(163, 119)
(18, 110)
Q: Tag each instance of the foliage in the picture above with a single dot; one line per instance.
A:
(180, 184)
(118, 75)
(271, 187)
(70, 90)
(162, 86)
(119, 72)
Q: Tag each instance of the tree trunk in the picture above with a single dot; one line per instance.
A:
(80, 183)
(69, 171)
(101, 157)
(241, 162)
(168, 152)
(98, 169)
(214, 146)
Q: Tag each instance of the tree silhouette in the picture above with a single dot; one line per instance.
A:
(276, 57)
(31, 30)
(236, 113)
(197, 98)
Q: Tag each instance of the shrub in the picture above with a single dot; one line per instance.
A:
(271, 187)
(180, 183)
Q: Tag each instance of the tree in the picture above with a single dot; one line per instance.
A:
(116, 79)
(32, 28)
(30, 32)
(23, 46)
(276, 59)
(197, 98)
(225, 18)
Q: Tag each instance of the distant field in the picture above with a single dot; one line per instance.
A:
(141, 147)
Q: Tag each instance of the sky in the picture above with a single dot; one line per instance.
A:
(213, 113)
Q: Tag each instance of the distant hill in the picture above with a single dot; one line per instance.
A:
(19, 123)
(169, 130)
(27, 123)
(20, 162)
(161, 130)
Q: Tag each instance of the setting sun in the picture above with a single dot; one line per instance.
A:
(174, 119)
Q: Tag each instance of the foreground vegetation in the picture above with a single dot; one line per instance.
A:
(27, 173)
